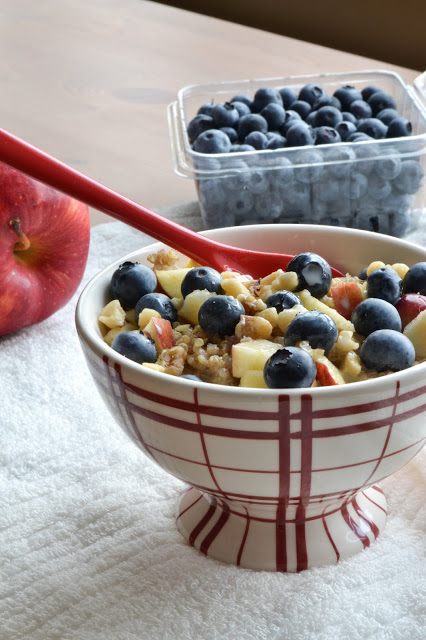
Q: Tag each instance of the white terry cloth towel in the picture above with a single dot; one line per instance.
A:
(89, 549)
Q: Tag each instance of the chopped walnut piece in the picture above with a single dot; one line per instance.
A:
(173, 360)
(164, 259)
(253, 327)
(286, 315)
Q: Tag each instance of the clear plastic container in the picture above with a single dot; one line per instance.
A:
(377, 185)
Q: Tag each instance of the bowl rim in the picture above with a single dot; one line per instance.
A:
(97, 345)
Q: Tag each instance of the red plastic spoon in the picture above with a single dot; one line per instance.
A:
(39, 165)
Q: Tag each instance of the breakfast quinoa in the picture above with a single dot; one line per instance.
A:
(298, 327)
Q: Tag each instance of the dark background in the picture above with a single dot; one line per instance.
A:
(393, 31)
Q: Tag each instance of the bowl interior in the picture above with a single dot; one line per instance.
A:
(347, 249)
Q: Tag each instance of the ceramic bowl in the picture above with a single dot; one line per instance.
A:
(279, 480)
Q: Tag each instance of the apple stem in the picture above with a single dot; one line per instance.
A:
(23, 242)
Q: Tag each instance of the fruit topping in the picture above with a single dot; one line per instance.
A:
(131, 281)
(290, 368)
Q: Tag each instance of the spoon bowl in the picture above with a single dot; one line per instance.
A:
(39, 165)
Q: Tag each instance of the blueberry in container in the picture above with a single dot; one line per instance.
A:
(353, 180)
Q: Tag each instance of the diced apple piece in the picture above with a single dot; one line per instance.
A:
(145, 317)
(170, 280)
(191, 264)
(113, 315)
(327, 373)
(161, 331)
(192, 303)
(346, 296)
(253, 379)
(251, 355)
(311, 303)
(416, 332)
(409, 306)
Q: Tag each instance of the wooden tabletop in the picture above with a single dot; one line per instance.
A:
(89, 82)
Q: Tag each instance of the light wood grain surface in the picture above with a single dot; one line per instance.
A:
(89, 82)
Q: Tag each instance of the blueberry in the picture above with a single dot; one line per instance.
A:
(357, 136)
(159, 302)
(360, 109)
(212, 141)
(313, 272)
(373, 314)
(191, 376)
(282, 300)
(363, 274)
(282, 172)
(269, 204)
(206, 109)
(410, 177)
(197, 125)
(384, 283)
(389, 166)
(289, 368)
(274, 115)
(399, 127)
(289, 120)
(311, 93)
(201, 278)
(251, 122)
(276, 141)
(347, 95)
(366, 157)
(381, 100)
(415, 279)
(345, 128)
(220, 314)
(387, 350)
(313, 326)
(373, 127)
(312, 169)
(378, 187)
(326, 191)
(131, 281)
(135, 346)
(368, 91)
(241, 148)
(328, 117)
(240, 203)
(326, 135)
(387, 115)
(211, 193)
(327, 101)
(348, 117)
(288, 95)
(264, 96)
(242, 108)
(310, 118)
(244, 99)
(225, 115)
(258, 181)
(342, 159)
(300, 134)
(257, 140)
(297, 198)
(301, 107)
(231, 133)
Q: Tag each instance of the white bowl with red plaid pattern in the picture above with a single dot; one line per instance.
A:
(279, 480)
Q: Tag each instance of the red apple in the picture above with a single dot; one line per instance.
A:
(409, 306)
(346, 296)
(327, 373)
(44, 241)
(161, 331)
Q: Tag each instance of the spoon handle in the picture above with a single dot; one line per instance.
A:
(39, 165)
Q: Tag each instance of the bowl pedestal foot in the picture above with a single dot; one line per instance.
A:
(281, 537)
